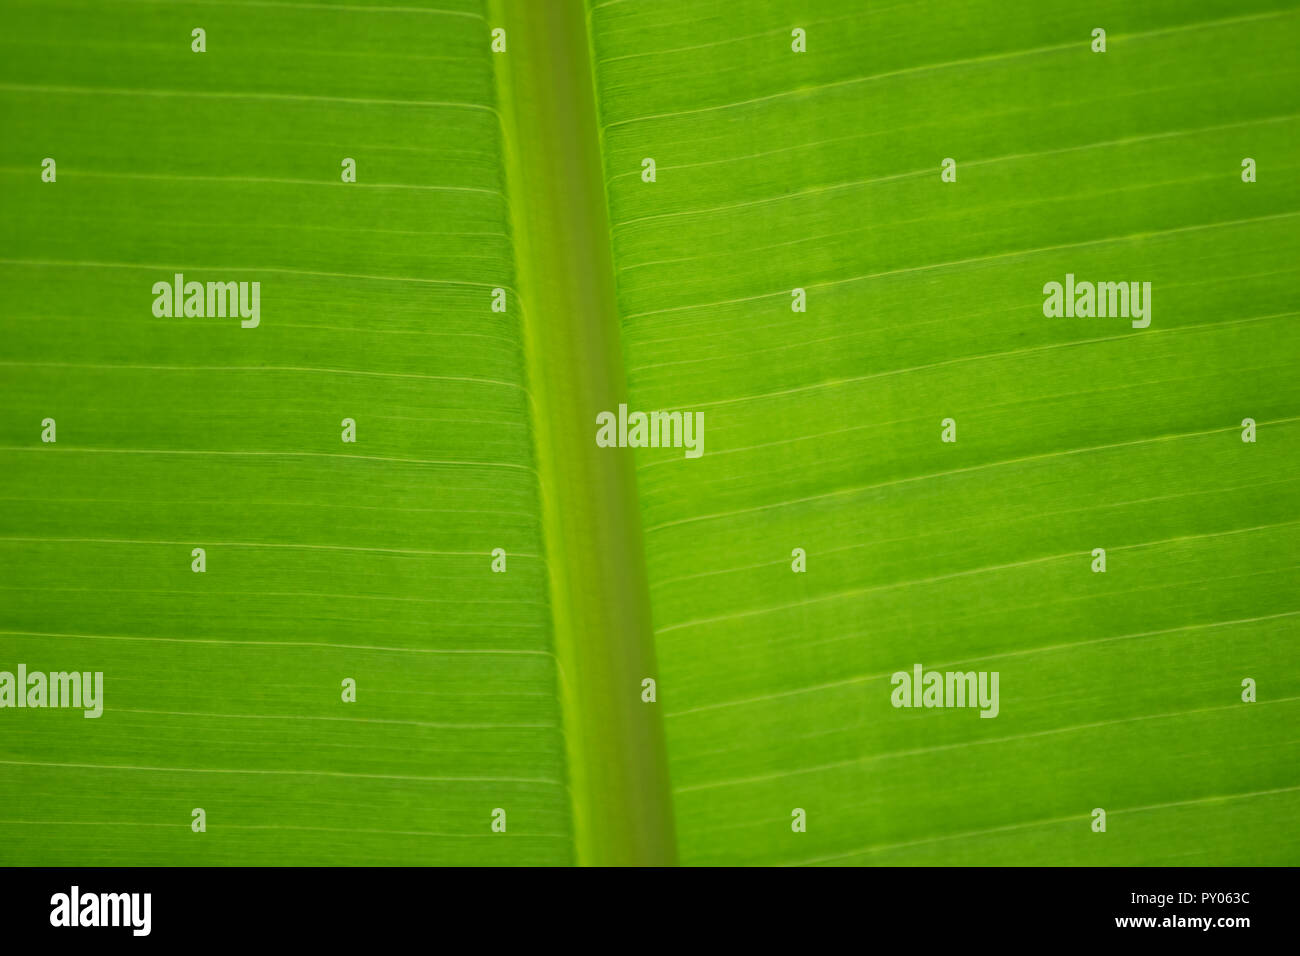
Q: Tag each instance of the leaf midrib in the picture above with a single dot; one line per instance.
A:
(555, 187)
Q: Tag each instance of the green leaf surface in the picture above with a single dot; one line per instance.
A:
(775, 170)
(325, 560)
(820, 171)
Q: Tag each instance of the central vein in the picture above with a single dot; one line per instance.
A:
(591, 520)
